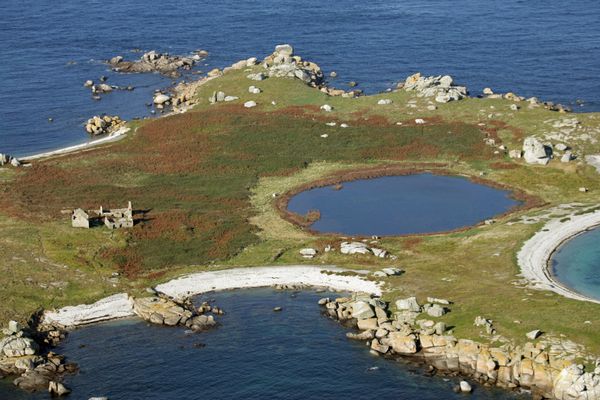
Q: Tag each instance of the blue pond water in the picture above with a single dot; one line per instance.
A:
(398, 205)
(254, 354)
(576, 264)
(545, 49)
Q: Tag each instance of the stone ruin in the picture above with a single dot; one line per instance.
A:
(112, 219)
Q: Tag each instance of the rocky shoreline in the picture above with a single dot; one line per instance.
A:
(284, 63)
(406, 332)
(24, 353)
(403, 329)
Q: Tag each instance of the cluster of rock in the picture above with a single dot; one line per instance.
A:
(361, 248)
(385, 272)
(218, 97)
(185, 94)
(440, 87)
(536, 152)
(533, 102)
(101, 125)
(284, 64)
(163, 311)
(154, 61)
(6, 159)
(102, 88)
(20, 355)
(353, 248)
(531, 366)
(486, 324)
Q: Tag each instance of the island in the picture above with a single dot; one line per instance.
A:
(211, 182)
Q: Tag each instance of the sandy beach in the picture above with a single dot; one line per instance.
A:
(534, 256)
(113, 137)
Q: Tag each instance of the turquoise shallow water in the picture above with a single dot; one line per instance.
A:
(255, 354)
(576, 264)
(397, 205)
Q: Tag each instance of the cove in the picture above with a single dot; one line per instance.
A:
(400, 205)
(255, 353)
(576, 264)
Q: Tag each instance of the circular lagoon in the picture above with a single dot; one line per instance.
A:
(576, 264)
(255, 353)
(401, 205)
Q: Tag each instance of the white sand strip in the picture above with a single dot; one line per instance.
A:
(113, 137)
(239, 278)
(534, 256)
(121, 305)
(112, 307)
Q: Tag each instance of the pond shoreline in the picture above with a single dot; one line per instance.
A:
(282, 201)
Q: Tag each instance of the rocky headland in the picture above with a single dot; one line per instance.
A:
(407, 330)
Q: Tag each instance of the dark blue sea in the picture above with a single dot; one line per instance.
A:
(549, 49)
(254, 354)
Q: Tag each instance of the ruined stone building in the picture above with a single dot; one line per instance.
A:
(118, 218)
(80, 219)
(113, 219)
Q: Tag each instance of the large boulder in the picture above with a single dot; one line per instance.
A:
(57, 389)
(367, 324)
(440, 87)
(534, 152)
(354, 248)
(408, 304)
(100, 125)
(17, 346)
(161, 311)
(362, 310)
(401, 343)
(435, 310)
(284, 50)
(161, 98)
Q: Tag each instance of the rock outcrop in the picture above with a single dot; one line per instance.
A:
(534, 152)
(361, 248)
(20, 355)
(531, 366)
(162, 311)
(284, 64)
(102, 125)
(153, 61)
(6, 159)
(440, 87)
